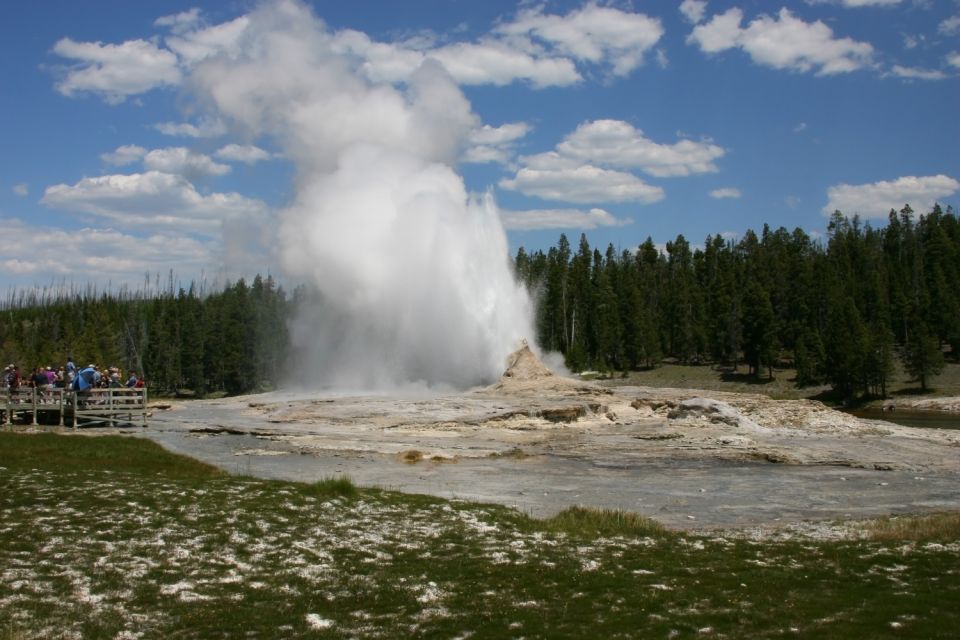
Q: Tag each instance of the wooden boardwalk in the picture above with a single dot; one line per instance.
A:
(65, 407)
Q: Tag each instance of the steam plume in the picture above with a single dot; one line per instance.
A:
(413, 272)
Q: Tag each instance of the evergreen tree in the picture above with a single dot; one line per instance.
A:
(922, 357)
(759, 330)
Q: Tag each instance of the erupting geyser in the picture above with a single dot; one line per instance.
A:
(413, 272)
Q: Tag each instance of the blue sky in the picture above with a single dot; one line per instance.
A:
(622, 120)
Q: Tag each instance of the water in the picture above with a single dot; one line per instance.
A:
(925, 419)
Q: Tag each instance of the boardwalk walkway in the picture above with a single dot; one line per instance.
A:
(65, 407)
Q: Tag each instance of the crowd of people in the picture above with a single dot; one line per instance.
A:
(69, 376)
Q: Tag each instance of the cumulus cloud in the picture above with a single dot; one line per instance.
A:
(875, 200)
(178, 160)
(195, 45)
(595, 34)
(498, 63)
(561, 219)
(247, 153)
(552, 177)
(494, 144)
(916, 73)
(35, 253)
(179, 22)
(21, 189)
(116, 71)
(122, 156)
(594, 163)
(783, 42)
(856, 4)
(541, 49)
(184, 162)
(953, 59)
(618, 144)
(152, 200)
(205, 128)
(693, 10)
(725, 192)
(950, 26)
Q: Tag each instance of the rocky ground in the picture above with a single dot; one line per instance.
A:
(542, 442)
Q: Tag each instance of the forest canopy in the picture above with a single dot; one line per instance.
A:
(838, 309)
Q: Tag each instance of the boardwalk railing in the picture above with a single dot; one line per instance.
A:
(68, 407)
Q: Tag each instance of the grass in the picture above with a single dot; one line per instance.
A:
(921, 528)
(112, 537)
(782, 387)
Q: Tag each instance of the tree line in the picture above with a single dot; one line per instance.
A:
(233, 340)
(839, 311)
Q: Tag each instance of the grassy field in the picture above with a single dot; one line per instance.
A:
(112, 537)
(781, 387)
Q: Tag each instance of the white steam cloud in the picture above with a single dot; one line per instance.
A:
(413, 273)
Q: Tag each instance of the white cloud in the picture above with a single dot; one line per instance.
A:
(877, 199)
(595, 34)
(953, 59)
(199, 44)
(552, 177)
(561, 219)
(179, 22)
(916, 73)
(485, 154)
(801, 126)
(494, 144)
(247, 154)
(783, 42)
(950, 26)
(510, 132)
(184, 162)
(205, 128)
(497, 63)
(662, 60)
(536, 47)
(721, 33)
(725, 192)
(856, 4)
(693, 10)
(152, 200)
(116, 71)
(21, 189)
(35, 253)
(618, 144)
(127, 154)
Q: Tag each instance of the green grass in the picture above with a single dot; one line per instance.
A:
(112, 537)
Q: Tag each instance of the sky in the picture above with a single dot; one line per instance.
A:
(120, 162)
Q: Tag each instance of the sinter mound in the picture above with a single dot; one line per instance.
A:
(523, 364)
(527, 374)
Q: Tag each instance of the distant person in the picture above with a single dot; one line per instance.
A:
(51, 377)
(132, 380)
(70, 371)
(13, 380)
(39, 379)
(86, 379)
